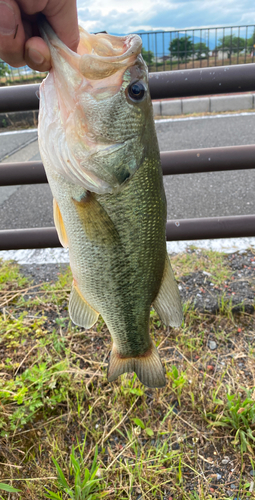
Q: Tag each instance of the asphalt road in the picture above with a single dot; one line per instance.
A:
(196, 195)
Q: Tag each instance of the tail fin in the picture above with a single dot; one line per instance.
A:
(147, 367)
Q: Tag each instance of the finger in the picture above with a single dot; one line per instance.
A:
(12, 36)
(62, 16)
(37, 54)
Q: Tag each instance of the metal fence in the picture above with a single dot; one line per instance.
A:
(197, 48)
(178, 83)
(171, 50)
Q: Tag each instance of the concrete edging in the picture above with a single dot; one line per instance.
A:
(160, 108)
(203, 105)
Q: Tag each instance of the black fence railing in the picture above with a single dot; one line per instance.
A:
(171, 84)
(174, 50)
(197, 48)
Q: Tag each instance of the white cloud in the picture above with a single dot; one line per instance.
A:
(124, 16)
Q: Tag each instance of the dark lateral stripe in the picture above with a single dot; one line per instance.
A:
(183, 229)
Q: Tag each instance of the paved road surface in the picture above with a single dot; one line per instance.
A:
(196, 195)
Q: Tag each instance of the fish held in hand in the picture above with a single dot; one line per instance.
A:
(99, 148)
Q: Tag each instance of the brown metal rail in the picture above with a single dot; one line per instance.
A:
(191, 161)
(200, 81)
(183, 229)
(164, 84)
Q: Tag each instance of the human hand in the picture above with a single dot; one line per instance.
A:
(20, 43)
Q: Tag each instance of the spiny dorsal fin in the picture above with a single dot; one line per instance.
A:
(80, 312)
(59, 224)
(168, 302)
(147, 367)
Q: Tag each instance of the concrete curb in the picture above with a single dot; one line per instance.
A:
(203, 105)
(160, 108)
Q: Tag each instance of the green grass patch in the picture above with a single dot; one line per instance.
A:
(202, 260)
(66, 433)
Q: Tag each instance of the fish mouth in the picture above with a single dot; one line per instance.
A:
(77, 95)
(98, 56)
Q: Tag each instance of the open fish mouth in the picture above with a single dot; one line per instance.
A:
(83, 94)
(98, 56)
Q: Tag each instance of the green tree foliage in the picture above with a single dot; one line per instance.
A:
(4, 68)
(201, 50)
(251, 42)
(148, 56)
(232, 44)
(181, 47)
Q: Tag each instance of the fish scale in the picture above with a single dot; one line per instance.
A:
(102, 161)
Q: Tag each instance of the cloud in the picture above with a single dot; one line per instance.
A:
(127, 16)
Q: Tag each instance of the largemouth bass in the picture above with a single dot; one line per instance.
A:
(99, 148)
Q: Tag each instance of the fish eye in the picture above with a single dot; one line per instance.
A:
(136, 91)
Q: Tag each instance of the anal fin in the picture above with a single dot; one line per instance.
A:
(80, 312)
(148, 367)
(168, 302)
(59, 225)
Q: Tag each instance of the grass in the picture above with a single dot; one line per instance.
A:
(66, 433)
(210, 262)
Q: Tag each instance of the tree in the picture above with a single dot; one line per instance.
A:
(148, 56)
(181, 47)
(201, 48)
(232, 44)
(4, 68)
(251, 42)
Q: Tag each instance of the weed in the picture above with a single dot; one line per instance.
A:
(10, 277)
(7, 487)
(86, 484)
(54, 392)
(239, 416)
(212, 263)
(178, 381)
(140, 424)
(41, 387)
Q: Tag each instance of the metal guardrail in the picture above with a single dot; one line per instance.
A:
(162, 85)
(176, 230)
(190, 161)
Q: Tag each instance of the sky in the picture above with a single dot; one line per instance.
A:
(127, 16)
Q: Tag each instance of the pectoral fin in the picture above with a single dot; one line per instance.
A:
(168, 302)
(96, 222)
(148, 367)
(80, 312)
(59, 224)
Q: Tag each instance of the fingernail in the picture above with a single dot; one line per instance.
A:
(35, 56)
(7, 19)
